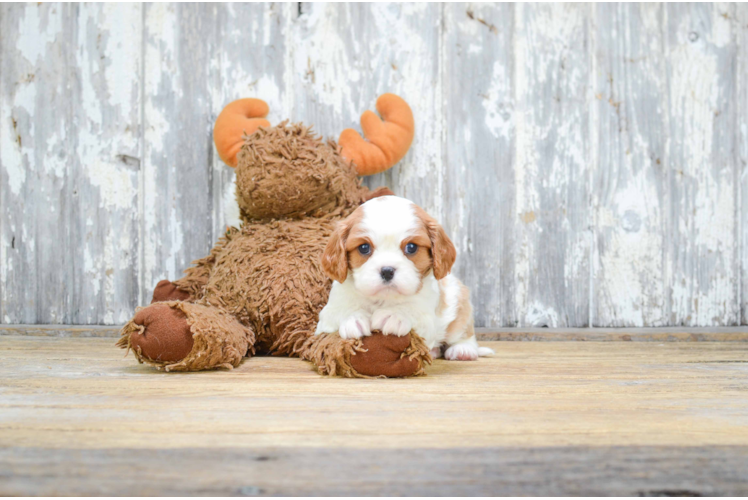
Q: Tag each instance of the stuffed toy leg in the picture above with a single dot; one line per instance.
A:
(181, 336)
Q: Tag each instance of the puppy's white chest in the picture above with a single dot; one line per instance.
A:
(434, 308)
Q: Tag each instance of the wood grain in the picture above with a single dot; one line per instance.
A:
(36, 151)
(624, 471)
(701, 164)
(630, 189)
(176, 204)
(556, 417)
(479, 153)
(105, 168)
(552, 164)
(82, 393)
(741, 18)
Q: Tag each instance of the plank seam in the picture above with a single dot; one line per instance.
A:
(667, 195)
(739, 167)
(3, 251)
(143, 162)
(593, 161)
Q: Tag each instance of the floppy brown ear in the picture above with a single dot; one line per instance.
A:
(443, 253)
(335, 256)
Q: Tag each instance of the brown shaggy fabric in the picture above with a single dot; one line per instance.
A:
(331, 355)
(166, 290)
(197, 276)
(218, 339)
(262, 286)
(270, 277)
(377, 356)
(287, 171)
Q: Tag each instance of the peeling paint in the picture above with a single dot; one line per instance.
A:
(499, 114)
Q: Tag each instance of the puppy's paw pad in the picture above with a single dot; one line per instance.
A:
(461, 352)
(354, 327)
(390, 323)
(436, 352)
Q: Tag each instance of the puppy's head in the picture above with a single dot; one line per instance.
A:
(388, 246)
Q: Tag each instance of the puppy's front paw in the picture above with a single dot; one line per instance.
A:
(461, 352)
(390, 323)
(355, 327)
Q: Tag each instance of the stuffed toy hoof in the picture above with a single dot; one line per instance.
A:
(163, 334)
(376, 356)
(391, 356)
(180, 336)
(166, 290)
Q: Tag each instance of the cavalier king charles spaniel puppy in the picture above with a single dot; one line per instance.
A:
(391, 261)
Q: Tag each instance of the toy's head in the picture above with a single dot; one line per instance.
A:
(288, 171)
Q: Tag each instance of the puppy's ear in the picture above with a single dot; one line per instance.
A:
(443, 252)
(335, 256)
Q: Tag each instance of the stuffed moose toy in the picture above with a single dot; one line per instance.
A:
(262, 287)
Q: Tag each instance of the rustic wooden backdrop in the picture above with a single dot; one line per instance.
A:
(588, 160)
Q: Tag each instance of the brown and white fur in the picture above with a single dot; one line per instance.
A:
(391, 264)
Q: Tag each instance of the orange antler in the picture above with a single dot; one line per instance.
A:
(238, 118)
(386, 141)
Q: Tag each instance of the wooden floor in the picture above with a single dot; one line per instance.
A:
(585, 418)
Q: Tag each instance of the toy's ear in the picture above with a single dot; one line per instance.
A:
(386, 141)
(238, 119)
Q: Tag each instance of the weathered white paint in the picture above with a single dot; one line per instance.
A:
(105, 168)
(629, 185)
(479, 184)
(590, 162)
(37, 265)
(701, 163)
(552, 164)
(741, 18)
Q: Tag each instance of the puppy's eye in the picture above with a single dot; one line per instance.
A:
(364, 249)
(411, 248)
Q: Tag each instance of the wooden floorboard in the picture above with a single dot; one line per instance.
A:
(76, 417)
(627, 471)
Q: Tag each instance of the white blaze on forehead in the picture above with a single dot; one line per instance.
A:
(389, 217)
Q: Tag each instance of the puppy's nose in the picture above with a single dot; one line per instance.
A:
(387, 273)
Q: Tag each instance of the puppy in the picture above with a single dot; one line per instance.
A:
(391, 261)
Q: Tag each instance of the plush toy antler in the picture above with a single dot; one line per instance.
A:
(239, 118)
(386, 141)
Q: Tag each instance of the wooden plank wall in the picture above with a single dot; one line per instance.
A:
(590, 161)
